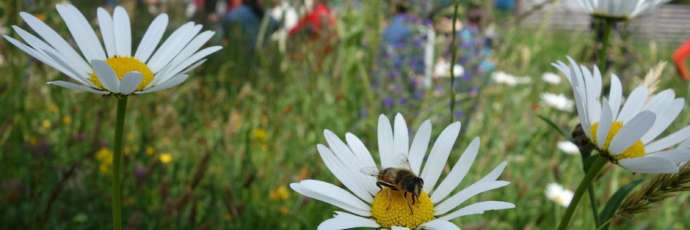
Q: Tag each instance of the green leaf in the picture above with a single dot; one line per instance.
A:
(615, 202)
(554, 126)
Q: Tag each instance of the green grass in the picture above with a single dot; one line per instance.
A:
(218, 112)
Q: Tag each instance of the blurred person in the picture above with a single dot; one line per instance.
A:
(475, 45)
(244, 23)
(314, 35)
(400, 80)
(318, 22)
(679, 57)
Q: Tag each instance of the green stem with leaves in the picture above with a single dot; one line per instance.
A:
(117, 163)
(594, 168)
(453, 51)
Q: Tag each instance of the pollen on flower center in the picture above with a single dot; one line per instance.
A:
(390, 208)
(635, 150)
(121, 66)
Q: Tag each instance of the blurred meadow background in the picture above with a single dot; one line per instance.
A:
(219, 151)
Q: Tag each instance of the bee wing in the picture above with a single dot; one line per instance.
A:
(402, 162)
(370, 171)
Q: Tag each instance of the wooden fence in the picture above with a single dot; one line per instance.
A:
(668, 23)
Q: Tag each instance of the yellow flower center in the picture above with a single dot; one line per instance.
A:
(635, 150)
(390, 208)
(123, 65)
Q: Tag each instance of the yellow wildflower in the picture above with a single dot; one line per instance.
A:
(150, 151)
(259, 134)
(165, 158)
(66, 120)
(45, 124)
(280, 193)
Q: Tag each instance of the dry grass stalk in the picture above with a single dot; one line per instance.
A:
(651, 80)
(656, 190)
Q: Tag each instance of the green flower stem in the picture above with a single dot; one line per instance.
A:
(597, 164)
(607, 26)
(590, 189)
(454, 51)
(117, 163)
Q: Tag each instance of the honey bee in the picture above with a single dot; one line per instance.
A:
(402, 180)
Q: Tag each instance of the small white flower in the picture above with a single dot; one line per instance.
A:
(568, 147)
(508, 79)
(558, 194)
(557, 101)
(551, 78)
(619, 8)
(442, 70)
(627, 130)
(115, 69)
(367, 206)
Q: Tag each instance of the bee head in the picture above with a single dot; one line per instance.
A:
(415, 186)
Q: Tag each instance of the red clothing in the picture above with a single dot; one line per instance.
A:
(679, 60)
(318, 19)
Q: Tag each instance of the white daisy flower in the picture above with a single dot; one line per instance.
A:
(115, 69)
(559, 194)
(626, 131)
(508, 79)
(551, 78)
(624, 9)
(368, 206)
(568, 147)
(557, 101)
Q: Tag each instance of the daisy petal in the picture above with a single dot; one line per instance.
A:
(604, 123)
(333, 195)
(45, 58)
(151, 38)
(495, 173)
(439, 155)
(176, 80)
(53, 38)
(420, 143)
(188, 51)
(668, 141)
(649, 164)
(81, 31)
(353, 179)
(632, 132)
(678, 156)
(123, 31)
(105, 23)
(173, 46)
(129, 82)
(455, 176)
(385, 139)
(665, 117)
(106, 75)
(401, 140)
(457, 199)
(343, 220)
(350, 161)
(633, 104)
(360, 150)
(399, 228)
(615, 96)
(439, 224)
(74, 86)
(478, 208)
(191, 60)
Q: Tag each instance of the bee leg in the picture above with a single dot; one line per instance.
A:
(410, 205)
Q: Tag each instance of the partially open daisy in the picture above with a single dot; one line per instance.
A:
(369, 206)
(115, 69)
(626, 130)
(623, 9)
